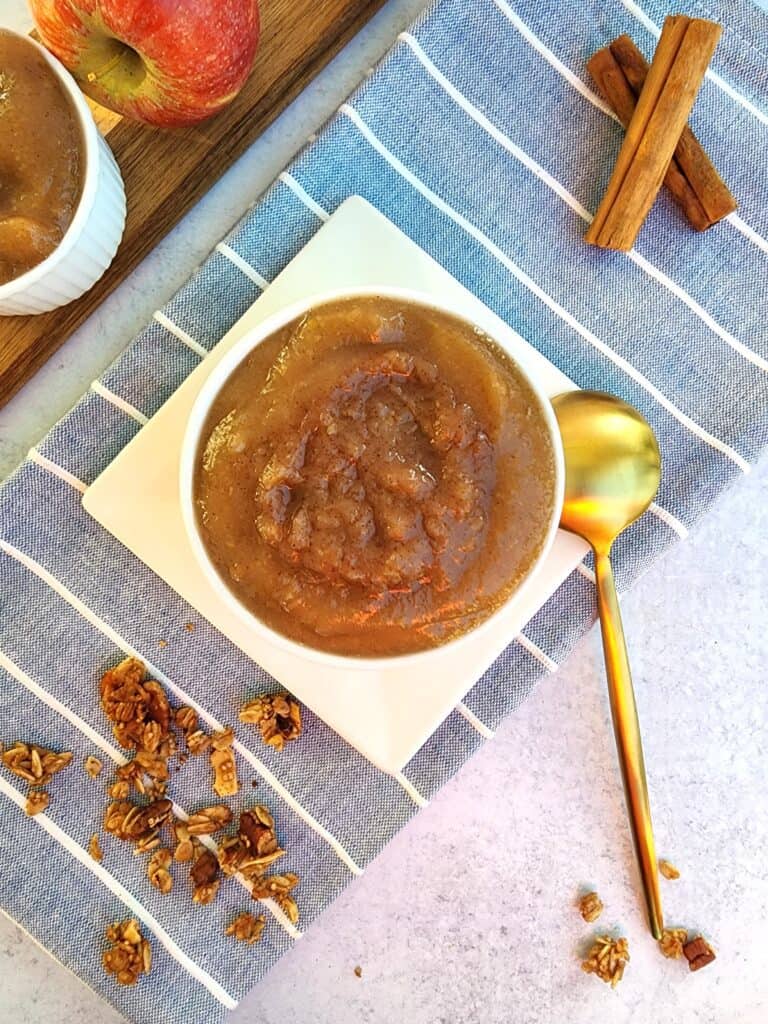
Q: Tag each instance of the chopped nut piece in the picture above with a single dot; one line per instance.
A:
(246, 928)
(204, 894)
(668, 870)
(37, 801)
(209, 820)
(36, 765)
(590, 907)
(223, 739)
(186, 718)
(607, 959)
(224, 772)
(157, 870)
(92, 766)
(198, 742)
(698, 953)
(278, 716)
(205, 869)
(672, 941)
(358, 972)
(130, 955)
(94, 847)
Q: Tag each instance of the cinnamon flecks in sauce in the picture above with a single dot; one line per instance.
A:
(375, 478)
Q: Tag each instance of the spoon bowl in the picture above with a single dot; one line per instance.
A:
(612, 473)
(612, 461)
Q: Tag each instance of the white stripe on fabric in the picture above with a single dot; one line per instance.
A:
(653, 28)
(180, 333)
(551, 59)
(537, 652)
(411, 790)
(474, 721)
(90, 616)
(34, 456)
(119, 758)
(243, 265)
(672, 521)
(61, 709)
(309, 202)
(570, 200)
(597, 101)
(531, 285)
(701, 313)
(741, 225)
(136, 908)
(586, 572)
(120, 403)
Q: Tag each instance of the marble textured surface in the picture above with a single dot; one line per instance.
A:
(468, 915)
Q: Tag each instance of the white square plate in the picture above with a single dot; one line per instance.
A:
(357, 246)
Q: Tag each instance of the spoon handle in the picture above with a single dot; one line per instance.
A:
(628, 742)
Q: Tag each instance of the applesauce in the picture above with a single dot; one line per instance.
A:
(42, 158)
(375, 478)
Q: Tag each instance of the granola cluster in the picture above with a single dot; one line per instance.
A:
(142, 814)
(129, 954)
(37, 766)
(607, 959)
(278, 716)
(590, 907)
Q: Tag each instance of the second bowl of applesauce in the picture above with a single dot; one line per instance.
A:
(370, 476)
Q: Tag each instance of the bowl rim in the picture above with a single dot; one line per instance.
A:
(199, 413)
(90, 136)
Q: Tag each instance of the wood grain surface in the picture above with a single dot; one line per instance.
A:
(166, 172)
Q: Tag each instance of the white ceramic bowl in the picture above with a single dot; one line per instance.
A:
(91, 240)
(191, 443)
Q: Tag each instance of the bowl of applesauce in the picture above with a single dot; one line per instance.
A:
(62, 203)
(368, 475)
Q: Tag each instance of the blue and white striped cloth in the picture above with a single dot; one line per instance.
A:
(482, 138)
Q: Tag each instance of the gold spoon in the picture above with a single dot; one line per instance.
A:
(612, 473)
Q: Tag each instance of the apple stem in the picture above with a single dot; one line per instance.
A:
(93, 76)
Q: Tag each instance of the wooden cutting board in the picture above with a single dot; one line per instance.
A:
(166, 172)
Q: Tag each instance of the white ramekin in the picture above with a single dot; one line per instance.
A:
(199, 414)
(91, 240)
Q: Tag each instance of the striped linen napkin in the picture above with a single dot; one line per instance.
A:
(481, 137)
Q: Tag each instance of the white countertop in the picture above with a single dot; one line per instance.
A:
(468, 915)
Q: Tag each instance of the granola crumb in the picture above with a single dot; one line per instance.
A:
(668, 870)
(162, 643)
(698, 953)
(358, 971)
(607, 959)
(190, 627)
(94, 848)
(92, 766)
(246, 928)
(672, 942)
(277, 715)
(157, 870)
(590, 907)
(130, 955)
(37, 801)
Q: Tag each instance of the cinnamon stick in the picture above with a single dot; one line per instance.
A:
(610, 78)
(684, 50)
(711, 191)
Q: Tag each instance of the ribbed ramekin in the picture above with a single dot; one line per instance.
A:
(91, 240)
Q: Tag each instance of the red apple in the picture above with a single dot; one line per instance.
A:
(167, 62)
